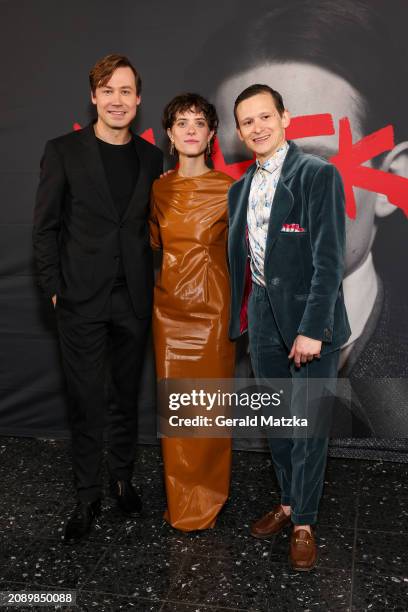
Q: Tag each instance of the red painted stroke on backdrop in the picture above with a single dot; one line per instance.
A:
(234, 170)
(300, 127)
(348, 160)
(310, 125)
(149, 136)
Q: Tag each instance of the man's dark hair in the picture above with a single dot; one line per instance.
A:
(254, 90)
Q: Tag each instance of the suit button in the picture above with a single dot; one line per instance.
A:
(274, 282)
(327, 333)
(116, 257)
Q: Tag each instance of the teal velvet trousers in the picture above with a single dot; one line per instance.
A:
(299, 460)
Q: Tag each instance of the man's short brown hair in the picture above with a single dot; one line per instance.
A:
(105, 67)
(254, 90)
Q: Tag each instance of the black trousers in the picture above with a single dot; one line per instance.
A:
(116, 339)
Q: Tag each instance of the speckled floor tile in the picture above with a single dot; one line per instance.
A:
(151, 533)
(54, 529)
(387, 513)
(7, 457)
(342, 479)
(47, 469)
(103, 602)
(132, 572)
(156, 534)
(343, 474)
(37, 459)
(382, 553)
(335, 547)
(27, 516)
(234, 583)
(379, 593)
(142, 563)
(148, 460)
(176, 606)
(338, 511)
(11, 549)
(319, 589)
(33, 489)
(57, 564)
(11, 585)
(225, 542)
(385, 478)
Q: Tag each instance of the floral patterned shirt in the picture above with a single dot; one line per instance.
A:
(263, 187)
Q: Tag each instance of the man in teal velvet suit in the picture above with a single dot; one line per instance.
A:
(287, 220)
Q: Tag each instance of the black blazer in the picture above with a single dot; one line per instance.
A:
(78, 235)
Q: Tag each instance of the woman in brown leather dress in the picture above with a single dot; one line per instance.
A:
(191, 308)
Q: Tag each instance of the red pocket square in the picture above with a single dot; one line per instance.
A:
(292, 227)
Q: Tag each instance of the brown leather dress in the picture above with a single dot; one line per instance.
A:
(190, 327)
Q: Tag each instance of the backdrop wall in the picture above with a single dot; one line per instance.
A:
(339, 70)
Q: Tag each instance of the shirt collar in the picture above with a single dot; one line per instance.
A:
(274, 162)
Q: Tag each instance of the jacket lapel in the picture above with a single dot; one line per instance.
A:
(283, 200)
(281, 207)
(94, 167)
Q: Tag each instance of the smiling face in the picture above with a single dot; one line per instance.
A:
(260, 126)
(306, 90)
(117, 101)
(190, 133)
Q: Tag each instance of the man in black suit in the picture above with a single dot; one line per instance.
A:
(94, 261)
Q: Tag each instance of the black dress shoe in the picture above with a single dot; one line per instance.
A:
(128, 500)
(80, 522)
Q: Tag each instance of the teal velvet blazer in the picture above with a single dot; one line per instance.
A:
(303, 270)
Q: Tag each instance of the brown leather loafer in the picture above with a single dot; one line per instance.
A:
(303, 550)
(270, 524)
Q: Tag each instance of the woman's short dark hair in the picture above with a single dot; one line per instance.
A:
(190, 101)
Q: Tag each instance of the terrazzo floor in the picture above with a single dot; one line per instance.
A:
(143, 564)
